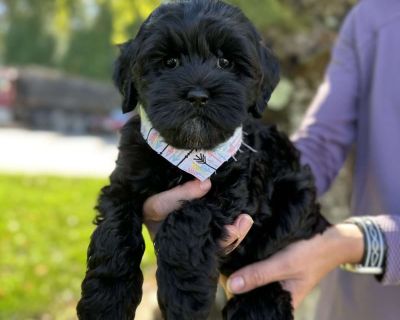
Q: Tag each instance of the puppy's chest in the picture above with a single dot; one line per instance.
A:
(246, 187)
(240, 185)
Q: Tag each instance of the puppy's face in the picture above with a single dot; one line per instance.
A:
(198, 68)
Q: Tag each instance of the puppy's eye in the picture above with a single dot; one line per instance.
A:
(223, 63)
(172, 63)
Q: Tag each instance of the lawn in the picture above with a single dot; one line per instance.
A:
(45, 225)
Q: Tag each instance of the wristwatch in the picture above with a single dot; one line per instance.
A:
(374, 257)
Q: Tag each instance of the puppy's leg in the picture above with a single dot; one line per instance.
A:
(187, 259)
(112, 287)
(270, 302)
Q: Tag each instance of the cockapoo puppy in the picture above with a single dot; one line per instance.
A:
(200, 73)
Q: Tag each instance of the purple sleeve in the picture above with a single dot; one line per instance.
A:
(391, 227)
(328, 129)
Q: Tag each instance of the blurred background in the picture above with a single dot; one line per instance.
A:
(59, 121)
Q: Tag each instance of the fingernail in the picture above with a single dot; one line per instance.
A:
(245, 223)
(236, 284)
(205, 185)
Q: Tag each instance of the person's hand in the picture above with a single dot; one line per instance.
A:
(302, 265)
(159, 206)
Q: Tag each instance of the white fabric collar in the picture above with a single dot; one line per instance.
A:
(199, 163)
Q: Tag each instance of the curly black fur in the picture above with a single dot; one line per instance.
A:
(269, 185)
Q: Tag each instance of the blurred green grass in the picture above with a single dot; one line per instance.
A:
(45, 225)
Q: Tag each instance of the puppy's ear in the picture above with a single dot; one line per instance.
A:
(269, 79)
(123, 75)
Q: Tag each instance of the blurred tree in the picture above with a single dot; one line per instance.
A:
(269, 13)
(128, 15)
(65, 13)
(77, 36)
(90, 52)
(91, 49)
(27, 40)
(67, 33)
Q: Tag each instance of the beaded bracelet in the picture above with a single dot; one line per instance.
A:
(374, 247)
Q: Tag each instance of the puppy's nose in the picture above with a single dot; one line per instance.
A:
(197, 97)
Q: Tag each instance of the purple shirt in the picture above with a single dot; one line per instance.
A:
(359, 104)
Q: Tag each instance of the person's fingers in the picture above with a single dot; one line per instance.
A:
(236, 232)
(157, 207)
(258, 274)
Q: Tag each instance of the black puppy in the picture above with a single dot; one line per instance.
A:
(199, 69)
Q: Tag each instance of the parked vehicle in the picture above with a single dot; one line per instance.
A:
(42, 98)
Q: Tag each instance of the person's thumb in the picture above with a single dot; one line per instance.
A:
(158, 207)
(255, 275)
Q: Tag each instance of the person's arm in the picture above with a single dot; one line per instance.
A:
(302, 265)
(328, 131)
(329, 126)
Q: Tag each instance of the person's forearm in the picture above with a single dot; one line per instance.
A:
(339, 244)
(304, 263)
(343, 243)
